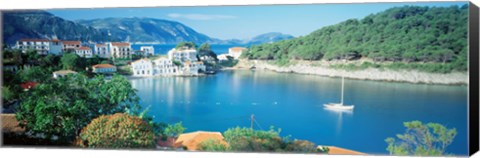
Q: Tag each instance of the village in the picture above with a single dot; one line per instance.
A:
(181, 61)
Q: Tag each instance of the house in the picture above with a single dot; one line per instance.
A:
(71, 46)
(62, 73)
(193, 68)
(101, 50)
(164, 66)
(235, 52)
(120, 49)
(182, 54)
(55, 47)
(84, 51)
(104, 69)
(142, 67)
(223, 57)
(192, 140)
(147, 50)
(28, 85)
(42, 46)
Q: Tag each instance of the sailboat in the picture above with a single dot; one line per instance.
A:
(339, 106)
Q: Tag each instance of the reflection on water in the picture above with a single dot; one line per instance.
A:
(294, 103)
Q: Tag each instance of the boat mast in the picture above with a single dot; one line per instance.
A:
(343, 80)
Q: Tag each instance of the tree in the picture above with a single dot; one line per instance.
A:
(61, 107)
(35, 74)
(205, 50)
(174, 130)
(247, 139)
(72, 61)
(187, 45)
(117, 131)
(422, 140)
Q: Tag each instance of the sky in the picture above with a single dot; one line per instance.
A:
(245, 22)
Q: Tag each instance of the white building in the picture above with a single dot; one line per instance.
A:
(55, 47)
(164, 66)
(182, 55)
(120, 49)
(193, 68)
(62, 73)
(142, 67)
(101, 50)
(84, 51)
(223, 57)
(71, 46)
(147, 50)
(104, 68)
(235, 52)
(42, 46)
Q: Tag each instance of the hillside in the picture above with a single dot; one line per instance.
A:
(402, 34)
(41, 24)
(269, 38)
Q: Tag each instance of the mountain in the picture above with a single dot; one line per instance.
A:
(269, 38)
(148, 30)
(41, 24)
(407, 34)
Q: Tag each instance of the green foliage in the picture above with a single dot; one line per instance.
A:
(301, 146)
(422, 140)
(247, 139)
(174, 130)
(177, 63)
(72, 61)
(61, 107)
(35, 74)
(213, 145)
(206, 50)
(409, 34)
(188, 45)
(230, 62)
(117, 131)
(7, 94)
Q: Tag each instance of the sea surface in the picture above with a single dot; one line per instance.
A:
(294, 103)
(162, 49)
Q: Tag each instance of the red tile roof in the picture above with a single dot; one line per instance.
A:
(120, 44)
(34, 40)
(103, 66)
(28, 85)
(237, 48)
(100, 45)
(71, 42)
(84, 48)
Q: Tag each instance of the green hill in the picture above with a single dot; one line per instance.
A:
(412, 35)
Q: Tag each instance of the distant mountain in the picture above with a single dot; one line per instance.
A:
(41, 24)
(269, 38)
(148, 30)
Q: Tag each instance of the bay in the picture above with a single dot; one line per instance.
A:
(294, 103)
(162, 49)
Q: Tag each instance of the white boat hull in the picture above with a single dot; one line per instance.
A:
(338, 106)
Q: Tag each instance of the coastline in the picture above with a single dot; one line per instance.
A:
(321, 69)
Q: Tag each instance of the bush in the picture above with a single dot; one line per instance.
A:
(213, 145)
(117, 131)
(247, 139)
(301, 146)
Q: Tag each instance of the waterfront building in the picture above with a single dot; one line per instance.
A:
(101, 50)
(193, 68)
(71, 46)
(223, 57)
(235, 52)
(142, 67)
(62, 73)
(120, 49)
(182, 54)
(164, 66)
(104, 68)
(42, 46)
(147, 50)
(84, 51)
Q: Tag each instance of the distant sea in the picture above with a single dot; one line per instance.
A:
(161, 49)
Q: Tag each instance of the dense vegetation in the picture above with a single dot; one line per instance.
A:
(422, 140)
(407, 34)
(117, 131)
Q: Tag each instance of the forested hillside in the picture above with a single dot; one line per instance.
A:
(406, 34)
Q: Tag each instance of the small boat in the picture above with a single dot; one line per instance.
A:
(339, 106)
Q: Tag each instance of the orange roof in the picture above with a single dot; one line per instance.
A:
(10, 124)
(100, 45)
(64, 72)
(237, 48)
(194, 139)
(34, 40)
(333, 150)
(84, 48)
(143, 59)
(120, 44)
(103, 66)
(71, 42)
(56, 40)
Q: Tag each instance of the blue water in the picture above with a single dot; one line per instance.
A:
(294, 103)
(162, 49)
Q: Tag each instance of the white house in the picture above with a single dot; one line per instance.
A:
(55, 47)
(147, 50)
(235, 52)
(193, 68)
(62, 73)
(223, 57)
(42, 46)
(120, 49)
(71, 46)
(104, 68)
(164, 66)
(142, 67)
(84, 51)
(101, 50)
(182, 55)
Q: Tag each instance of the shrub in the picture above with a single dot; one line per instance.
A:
(213, 145)
(247, 139)
(117, 131)
(301, 146)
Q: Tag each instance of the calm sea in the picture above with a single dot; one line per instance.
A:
(294, 103)
(164, 48)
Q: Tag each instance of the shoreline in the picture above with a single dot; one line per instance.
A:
(407, 76)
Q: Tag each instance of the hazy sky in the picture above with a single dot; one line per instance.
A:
(243, 22)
